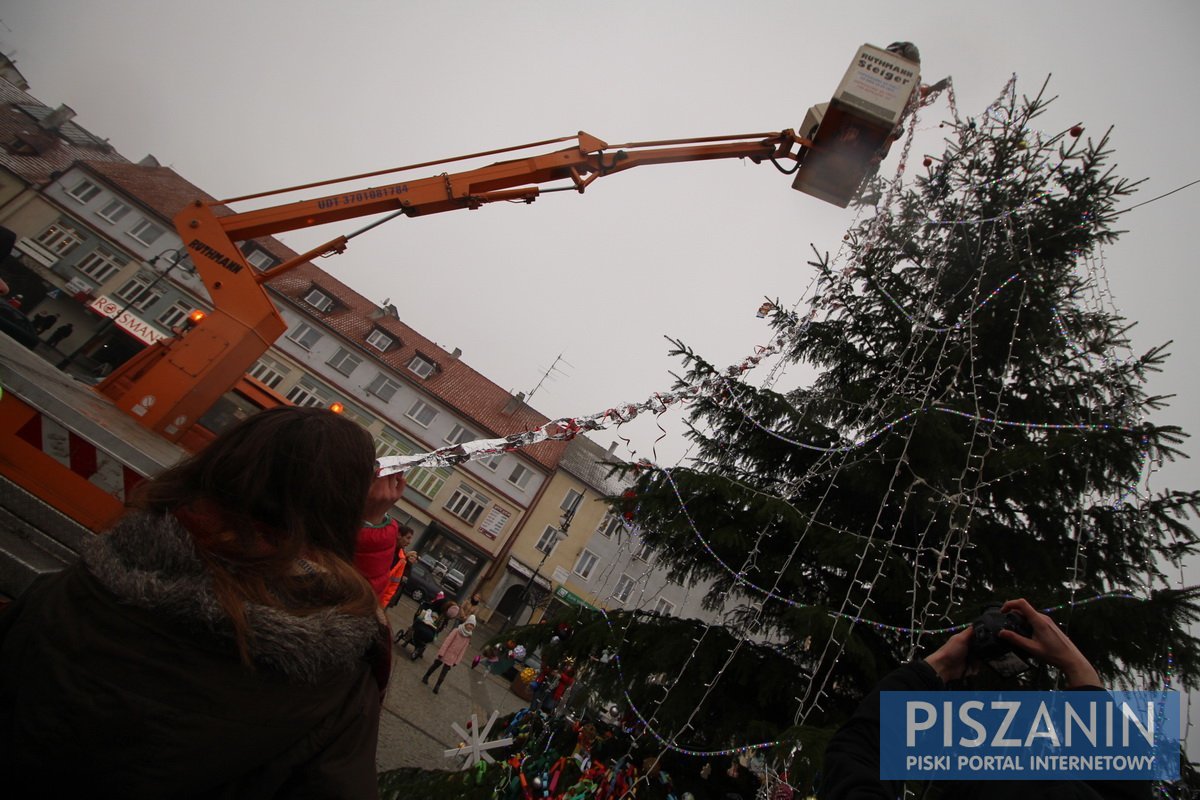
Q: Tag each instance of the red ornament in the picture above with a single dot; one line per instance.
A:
(1076, 130)
(928, 162)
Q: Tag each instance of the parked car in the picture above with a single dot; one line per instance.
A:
(420, 582)
(455, 579)
(17, 325)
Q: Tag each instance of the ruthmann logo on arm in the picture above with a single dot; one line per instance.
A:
(1029, 735)
(214, 255)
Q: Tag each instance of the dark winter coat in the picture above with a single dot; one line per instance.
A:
(851, 769)
(119, 677)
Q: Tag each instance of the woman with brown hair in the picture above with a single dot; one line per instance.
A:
(218, 641)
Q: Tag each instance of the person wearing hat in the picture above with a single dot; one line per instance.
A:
(451, 652)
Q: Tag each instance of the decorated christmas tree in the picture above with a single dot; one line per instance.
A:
(973, 426)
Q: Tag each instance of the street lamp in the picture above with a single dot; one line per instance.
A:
(559, 535)
(179, 255)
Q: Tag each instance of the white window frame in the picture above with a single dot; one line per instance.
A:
(60, 238)
(520, 476)
(493, 462)
(428, 481)
(643, 550)
(664, 606)
(114, 210)
(379, 340)
(300, 335)
(259, 259)
(459, 434)
(585, 570)
(268, 371)
(421, 367)
(146, 228)
(100, 264)
(175, 315)
(306, 393)
(318, 300)
(609, 525)
(548, 540)
(137, 293)
(467, 504)
(624, 589)
(84, 192)
(417, 409)
(344, 362)
(569, 500)
(383, 387)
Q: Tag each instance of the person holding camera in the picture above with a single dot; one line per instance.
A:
(851, 769)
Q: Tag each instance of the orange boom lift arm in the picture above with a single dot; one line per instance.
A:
(170, 384)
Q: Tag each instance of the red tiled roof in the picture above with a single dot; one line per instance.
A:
(455, 384)
(54, 153)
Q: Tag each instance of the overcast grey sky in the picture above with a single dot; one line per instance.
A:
(241, 97)
(245, 96)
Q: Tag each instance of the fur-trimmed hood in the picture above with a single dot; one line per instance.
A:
(149, 561)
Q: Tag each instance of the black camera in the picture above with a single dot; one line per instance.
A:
(989, 647)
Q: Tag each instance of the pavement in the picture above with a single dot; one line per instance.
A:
(414, 729)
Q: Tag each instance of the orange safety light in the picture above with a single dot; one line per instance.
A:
(337, 408)
(196, 316)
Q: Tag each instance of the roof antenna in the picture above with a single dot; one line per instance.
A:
(553, 368)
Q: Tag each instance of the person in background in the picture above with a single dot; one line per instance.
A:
(44, 322)
(60, 333)
(851, 769)
(451, 652)
(377, 539)
(472, 606)
(218, 641)
(391, 593)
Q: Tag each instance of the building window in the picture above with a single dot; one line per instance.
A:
(268, 371)
(307, 393)
(305, 335)
(344, 361)
(624, 588)
(586, 563)
(100, 265)
(85, 191)
(467, 504)
(259, 259)
(319, 300)
(420, 366)
(383, 387)
(422, 413)
(547, 541)
(520, 476)
(147, 232)
(138, 294)
(643, 551)
(458, 434)
(390, 443)
(610, 524)
(428, 481)
(113, 211)
(493, 462)
(664, 607)
(379, 340)
(571, 501)
(60, 239)
(174, 315)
